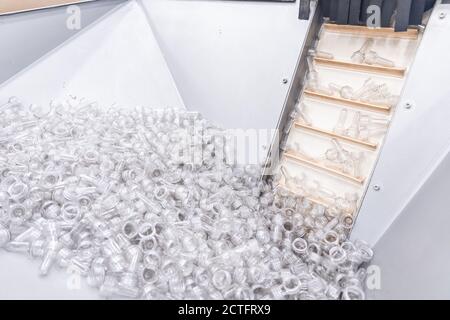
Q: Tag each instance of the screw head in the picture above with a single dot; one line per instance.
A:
(442, 15)
(285, 80)
(377, 187)
(408, 105)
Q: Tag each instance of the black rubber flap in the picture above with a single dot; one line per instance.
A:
(417, 10)
(305, 9)
(326, 7)
(387, 11)
(343, 7)
(334, 9)
(402, 19)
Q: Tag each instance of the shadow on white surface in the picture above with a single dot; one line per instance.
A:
(30, 35)
(116, 60)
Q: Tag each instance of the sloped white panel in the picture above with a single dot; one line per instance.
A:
(413, 254)
(116, 60)
(229, 58)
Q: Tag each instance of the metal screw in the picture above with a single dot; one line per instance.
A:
(285, 80)
(408, 105)
(442, 15)
(376, 187)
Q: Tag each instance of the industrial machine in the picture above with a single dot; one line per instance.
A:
(360, 112)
